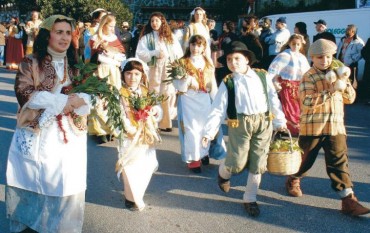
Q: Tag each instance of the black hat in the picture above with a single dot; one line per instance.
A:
(240, 47)
(320, 21)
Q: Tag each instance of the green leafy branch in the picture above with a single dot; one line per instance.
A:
(87, 82)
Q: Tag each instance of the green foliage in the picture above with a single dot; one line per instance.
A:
(142, 102)
(281, 145)
(87, 82)
(175, 70)
(80, 9)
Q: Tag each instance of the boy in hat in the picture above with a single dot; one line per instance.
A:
(322, 126)
(249, 100)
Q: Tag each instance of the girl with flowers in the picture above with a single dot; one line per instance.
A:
(158, 47)
(108, 52)
(196, 91)
(46, 169)
(136, 150)
(287, 70)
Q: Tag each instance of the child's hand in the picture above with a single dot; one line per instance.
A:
(205, 142)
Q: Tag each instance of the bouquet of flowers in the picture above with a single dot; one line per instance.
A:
(145, 133)
(175, 70)
(142, 105)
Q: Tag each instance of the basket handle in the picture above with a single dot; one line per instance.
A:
(290, 139)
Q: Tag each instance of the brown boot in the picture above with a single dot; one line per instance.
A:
(293, 186)
(224, 184)
(351, 206)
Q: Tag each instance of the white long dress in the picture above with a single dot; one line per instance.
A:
(194, 105)
(137, 159)
(158, 70)
(46, 177)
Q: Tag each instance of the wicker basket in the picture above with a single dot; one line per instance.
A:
(284, 163)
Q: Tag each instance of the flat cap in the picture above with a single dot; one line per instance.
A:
(322, 47)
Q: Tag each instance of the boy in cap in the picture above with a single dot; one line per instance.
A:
(249, 100)
(322, 126)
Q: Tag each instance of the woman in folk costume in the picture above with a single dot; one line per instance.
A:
(287, 70)
(136, 150)
(46, 169)
(158, 47)
(198, 26)
(14, 45)
(108, 52)
(196, 92)
(32, 28)
(96, 16)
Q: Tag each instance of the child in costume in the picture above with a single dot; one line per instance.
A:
(322, 125)
(196, 92)
(287, 70)
(250, 101)
(108, 52)
(158, 47)
(137, 157)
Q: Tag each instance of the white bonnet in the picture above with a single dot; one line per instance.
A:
(197, 8)
(145, 66)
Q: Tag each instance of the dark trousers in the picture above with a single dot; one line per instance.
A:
(336, 158)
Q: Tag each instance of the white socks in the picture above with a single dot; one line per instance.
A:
(251, 188)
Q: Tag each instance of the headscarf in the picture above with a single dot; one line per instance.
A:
(49, 22)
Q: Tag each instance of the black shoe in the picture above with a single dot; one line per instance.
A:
(224, 184)
(129, 204)
(252, 209)
(196, 169)
(205, 160)
(166, 130)
(102, 139)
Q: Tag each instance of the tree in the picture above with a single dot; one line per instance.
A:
(77, 9)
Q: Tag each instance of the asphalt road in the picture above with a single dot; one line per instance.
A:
(180, 201)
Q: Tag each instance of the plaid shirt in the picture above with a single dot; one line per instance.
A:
(322, 112)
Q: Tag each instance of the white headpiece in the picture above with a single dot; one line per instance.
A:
(99, 9)
(145, 66)
(197, 8)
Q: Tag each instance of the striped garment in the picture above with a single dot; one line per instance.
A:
(289, 66)
(322, 112)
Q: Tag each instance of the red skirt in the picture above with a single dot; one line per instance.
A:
(14, 51)
(289, 99)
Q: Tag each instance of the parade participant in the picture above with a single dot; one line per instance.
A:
(322, 126)
(249, 99)
(108, 52)
(31, 29)
(198, 26)
(158, 47)
(287, 70)
(14, 45)
(196, 92)
(46, 169)
(96, 16)
(136, 150)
